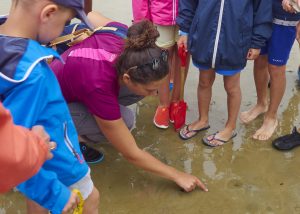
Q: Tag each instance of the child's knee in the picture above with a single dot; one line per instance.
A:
(232, 89)
(93, 199)
(277, 71)
(206, 83)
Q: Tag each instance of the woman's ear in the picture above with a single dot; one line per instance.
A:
(48, 12)
(126, 78)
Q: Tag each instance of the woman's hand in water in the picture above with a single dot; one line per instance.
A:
(189, 182)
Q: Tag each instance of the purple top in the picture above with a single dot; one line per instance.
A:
(89, 76)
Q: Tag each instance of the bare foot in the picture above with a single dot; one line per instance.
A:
(266, 130)
(252, 113)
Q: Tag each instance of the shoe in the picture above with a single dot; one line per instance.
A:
(90, 155)
(173, 106)
(208, 140)
(185, 131)
(287, 142)
(161, 117)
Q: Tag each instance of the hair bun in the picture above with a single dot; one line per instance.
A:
(141, 35)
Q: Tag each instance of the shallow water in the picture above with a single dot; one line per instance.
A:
(245, 176)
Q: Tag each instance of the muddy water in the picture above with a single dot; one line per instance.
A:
(245, 176)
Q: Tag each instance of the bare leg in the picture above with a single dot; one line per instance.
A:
(233, 90)
(172, 61)
(91, 204)
(278, 83)
(177, 77)
(34, 208)
(261, 77)
(206, 80)
(164, 91)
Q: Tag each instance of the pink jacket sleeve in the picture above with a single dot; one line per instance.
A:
(140, 10)
(21, 152)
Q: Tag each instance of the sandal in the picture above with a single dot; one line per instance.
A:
(183, 133)
(208, 140)
(287, 142)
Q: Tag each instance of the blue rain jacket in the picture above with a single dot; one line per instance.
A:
(220, 32)
(29, 89)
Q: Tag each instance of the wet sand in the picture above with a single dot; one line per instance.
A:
(245, 176)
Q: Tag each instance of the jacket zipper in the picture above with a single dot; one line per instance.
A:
(213, 64)
(174, 12)
(69, 144)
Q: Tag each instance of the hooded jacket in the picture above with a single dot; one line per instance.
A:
(220, 32)
(22, 153)
(29, 89)
(160, 12)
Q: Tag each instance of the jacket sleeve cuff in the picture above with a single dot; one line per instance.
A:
(257, 45)
(182, 33)
(61, 201)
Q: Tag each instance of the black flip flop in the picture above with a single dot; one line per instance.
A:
(207, 142)
(195, 131)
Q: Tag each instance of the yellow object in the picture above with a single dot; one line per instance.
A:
(79, 208)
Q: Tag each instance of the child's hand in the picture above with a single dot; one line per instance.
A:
(189, 182)
(40, 132)
(286, 5)
(182, 41)
(253, 54)
(72, 203)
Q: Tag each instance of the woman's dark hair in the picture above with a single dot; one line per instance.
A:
(139, 53)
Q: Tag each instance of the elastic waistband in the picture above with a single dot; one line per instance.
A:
(285, 23)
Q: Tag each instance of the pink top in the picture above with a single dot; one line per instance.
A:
(89, 76)
(160, 12)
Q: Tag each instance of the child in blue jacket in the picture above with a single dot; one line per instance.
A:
(29, 89)
(271, 65)
(221, 35)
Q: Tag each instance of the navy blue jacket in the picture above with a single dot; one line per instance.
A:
(281, 14)
(222, 31)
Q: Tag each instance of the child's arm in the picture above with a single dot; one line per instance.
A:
(98, 19)
(120, 137)
(187, 9)
(262, 23)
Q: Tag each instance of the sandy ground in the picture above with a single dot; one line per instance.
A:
(245, 176)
